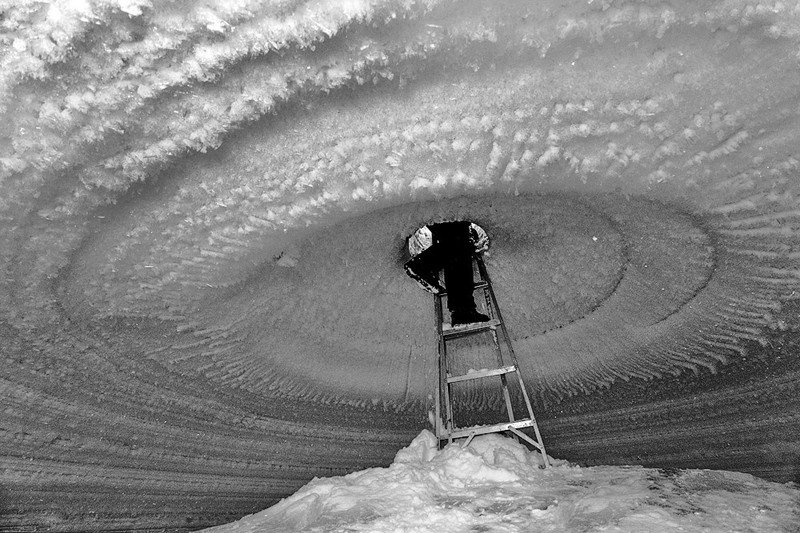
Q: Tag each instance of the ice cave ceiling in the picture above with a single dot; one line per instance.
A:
(204, 204)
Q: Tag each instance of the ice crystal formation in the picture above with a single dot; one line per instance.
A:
(204, 205)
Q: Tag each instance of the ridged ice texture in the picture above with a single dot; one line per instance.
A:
(204, 208)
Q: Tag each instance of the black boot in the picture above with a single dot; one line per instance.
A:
(470, 316)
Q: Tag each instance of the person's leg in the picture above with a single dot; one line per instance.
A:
(459, 283)
(457, 250)
(424, 268)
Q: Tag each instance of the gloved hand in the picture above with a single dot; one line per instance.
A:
(479, 238)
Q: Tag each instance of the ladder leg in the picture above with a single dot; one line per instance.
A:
(492, 304)
(523, 389)
(503, 379)
(533, 418)
(444, 386)
(491, 308)
(441, 386)
(449, 409)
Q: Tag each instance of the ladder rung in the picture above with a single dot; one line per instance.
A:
(477, 285)
(468, 329)
(482, 430)
(482, 374)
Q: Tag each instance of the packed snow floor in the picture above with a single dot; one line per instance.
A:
(497, 485)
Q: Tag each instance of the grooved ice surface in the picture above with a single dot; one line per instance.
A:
(183, 340)
(497, 485)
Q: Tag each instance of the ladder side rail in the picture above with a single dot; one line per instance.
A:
(442, 392)
(490, 290)
(494, 312)
(503, 378)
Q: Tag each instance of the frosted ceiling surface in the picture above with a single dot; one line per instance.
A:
(204, 205)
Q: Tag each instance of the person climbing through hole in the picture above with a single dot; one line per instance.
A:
(448, 246)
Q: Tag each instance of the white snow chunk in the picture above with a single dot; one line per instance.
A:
(496, 484)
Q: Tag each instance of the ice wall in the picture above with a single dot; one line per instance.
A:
(203, 210)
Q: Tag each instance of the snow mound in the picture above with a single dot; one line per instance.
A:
(497, 485)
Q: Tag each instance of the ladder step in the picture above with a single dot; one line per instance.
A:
(475, 287)
(482, 430)
(468, 329)
(482, 374)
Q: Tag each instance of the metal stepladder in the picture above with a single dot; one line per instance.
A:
(445, 428)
